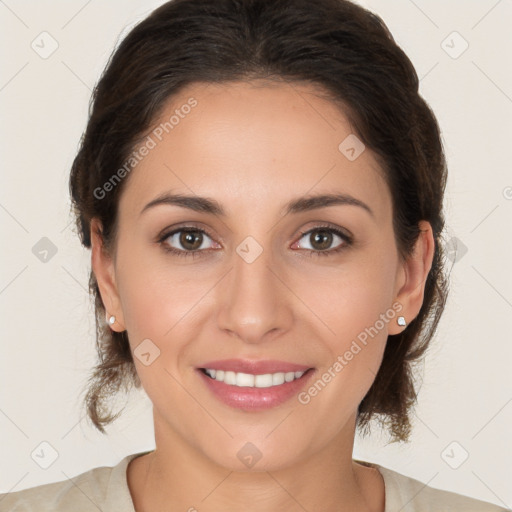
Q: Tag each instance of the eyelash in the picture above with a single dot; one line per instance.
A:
(348, 241)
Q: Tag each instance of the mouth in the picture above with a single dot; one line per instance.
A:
(249, 380)
(254, 391)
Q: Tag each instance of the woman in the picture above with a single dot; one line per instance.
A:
(261, 187)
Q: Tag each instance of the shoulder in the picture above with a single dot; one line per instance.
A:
(97, 489)
(84, 490)
(410, 495)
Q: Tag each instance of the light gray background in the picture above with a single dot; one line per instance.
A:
(47, 327)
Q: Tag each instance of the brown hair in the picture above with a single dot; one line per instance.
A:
(335, 44)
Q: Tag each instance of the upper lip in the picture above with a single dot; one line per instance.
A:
(255, 367)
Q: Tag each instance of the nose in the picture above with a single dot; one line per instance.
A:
(255, 302)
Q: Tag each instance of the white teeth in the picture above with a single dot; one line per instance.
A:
(248, 380)
(230, 378)
(277, 379)
(244, 379)
(288, 377)
(263, 381)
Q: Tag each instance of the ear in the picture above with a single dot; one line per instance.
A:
(412, 277)
(103, 267)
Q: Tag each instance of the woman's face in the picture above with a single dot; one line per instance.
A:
(252, 287)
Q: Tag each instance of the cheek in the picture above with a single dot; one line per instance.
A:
(152, 292)
(354, 308)
(349, 299)
(158, 312)
(162, 303)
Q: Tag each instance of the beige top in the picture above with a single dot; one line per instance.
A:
(106, 489)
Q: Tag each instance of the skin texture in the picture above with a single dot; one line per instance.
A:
(253, 147)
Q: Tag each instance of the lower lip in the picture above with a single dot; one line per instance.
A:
(255, 399)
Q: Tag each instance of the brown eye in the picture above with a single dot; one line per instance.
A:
(190, 240)
(321, 239)
(185, 242)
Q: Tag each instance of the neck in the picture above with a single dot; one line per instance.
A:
(178, 476)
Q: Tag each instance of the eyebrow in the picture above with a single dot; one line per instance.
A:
(299, 205)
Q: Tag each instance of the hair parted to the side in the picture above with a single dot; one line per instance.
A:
(347, 52)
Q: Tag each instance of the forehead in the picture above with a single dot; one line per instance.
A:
(252, 146)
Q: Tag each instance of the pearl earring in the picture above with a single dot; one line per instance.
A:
(401, 321)
(111, 320)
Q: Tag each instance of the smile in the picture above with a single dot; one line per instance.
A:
(254, 392)
(240, 379)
